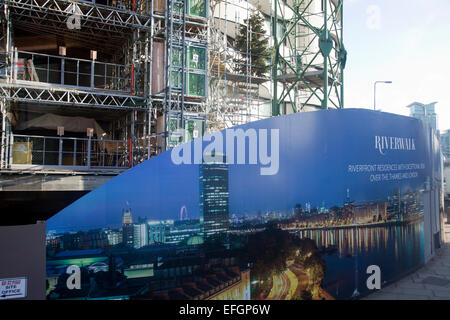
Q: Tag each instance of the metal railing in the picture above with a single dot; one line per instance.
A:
(69, 72)
(65, 152)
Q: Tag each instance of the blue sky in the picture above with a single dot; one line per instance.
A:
(406, 41)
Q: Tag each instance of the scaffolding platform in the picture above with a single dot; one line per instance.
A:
(243, 78)
(313, 78)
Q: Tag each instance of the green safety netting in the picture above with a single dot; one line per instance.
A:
(197, 8)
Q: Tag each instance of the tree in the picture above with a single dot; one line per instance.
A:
(306, 247)
(317, 267)
(253, 46)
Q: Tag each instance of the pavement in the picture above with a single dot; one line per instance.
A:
(430, 282)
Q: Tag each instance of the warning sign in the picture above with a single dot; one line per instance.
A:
(13, 288)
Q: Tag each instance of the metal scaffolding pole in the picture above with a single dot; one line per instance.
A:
(150, 82)
(4, 136)
(309, 55)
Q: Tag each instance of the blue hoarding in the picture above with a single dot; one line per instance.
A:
(291, 207)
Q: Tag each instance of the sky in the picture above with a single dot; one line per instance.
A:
(405, 41)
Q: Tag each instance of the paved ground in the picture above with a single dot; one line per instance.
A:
(431, 282)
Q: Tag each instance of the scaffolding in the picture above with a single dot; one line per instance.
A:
(307, 60)
(309, 56)
(236, 97)
(186, 54)
(106, 76)
(157, 73)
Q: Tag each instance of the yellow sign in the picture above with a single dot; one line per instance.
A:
(22, 152)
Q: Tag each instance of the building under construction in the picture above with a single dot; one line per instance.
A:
(90, 88)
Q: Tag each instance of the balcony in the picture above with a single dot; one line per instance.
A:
(45, 152)
(41, 78)
(44, 70)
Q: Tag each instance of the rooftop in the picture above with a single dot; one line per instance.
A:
(79, 253)
(415, 103)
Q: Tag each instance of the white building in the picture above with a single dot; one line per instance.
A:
(140, 235)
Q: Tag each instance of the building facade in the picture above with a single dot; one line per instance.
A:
(140, 235)
(445, 144)
(214, 200)
(424, 112)
(127, 228)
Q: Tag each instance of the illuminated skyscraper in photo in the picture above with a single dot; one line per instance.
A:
(127, 228)
(214, 196)
(140, 236)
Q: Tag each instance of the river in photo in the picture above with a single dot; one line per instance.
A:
(396, 249)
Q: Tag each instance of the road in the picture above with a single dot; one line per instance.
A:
(293, 284)
(284, 286)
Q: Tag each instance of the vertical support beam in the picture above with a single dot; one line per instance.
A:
(146, 42)
(130, 156)
(341, 4)
(60, 151)
(8, 42)
(183, 65)
(325, 58)
(62, 71)
(149, 115)
(74, 152)
(150, 82)
(9, 148)
(167, 54)
(117, 155)
(92, 73)
(15, 63)
(4, 137)
(78, 73)
(275, 102)
(133, 59)
(103, 154)
(43, 152)
(132, 78)
(150, 78)
(48, 69)
(89, 153)
(133, 55)
(132, 137)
